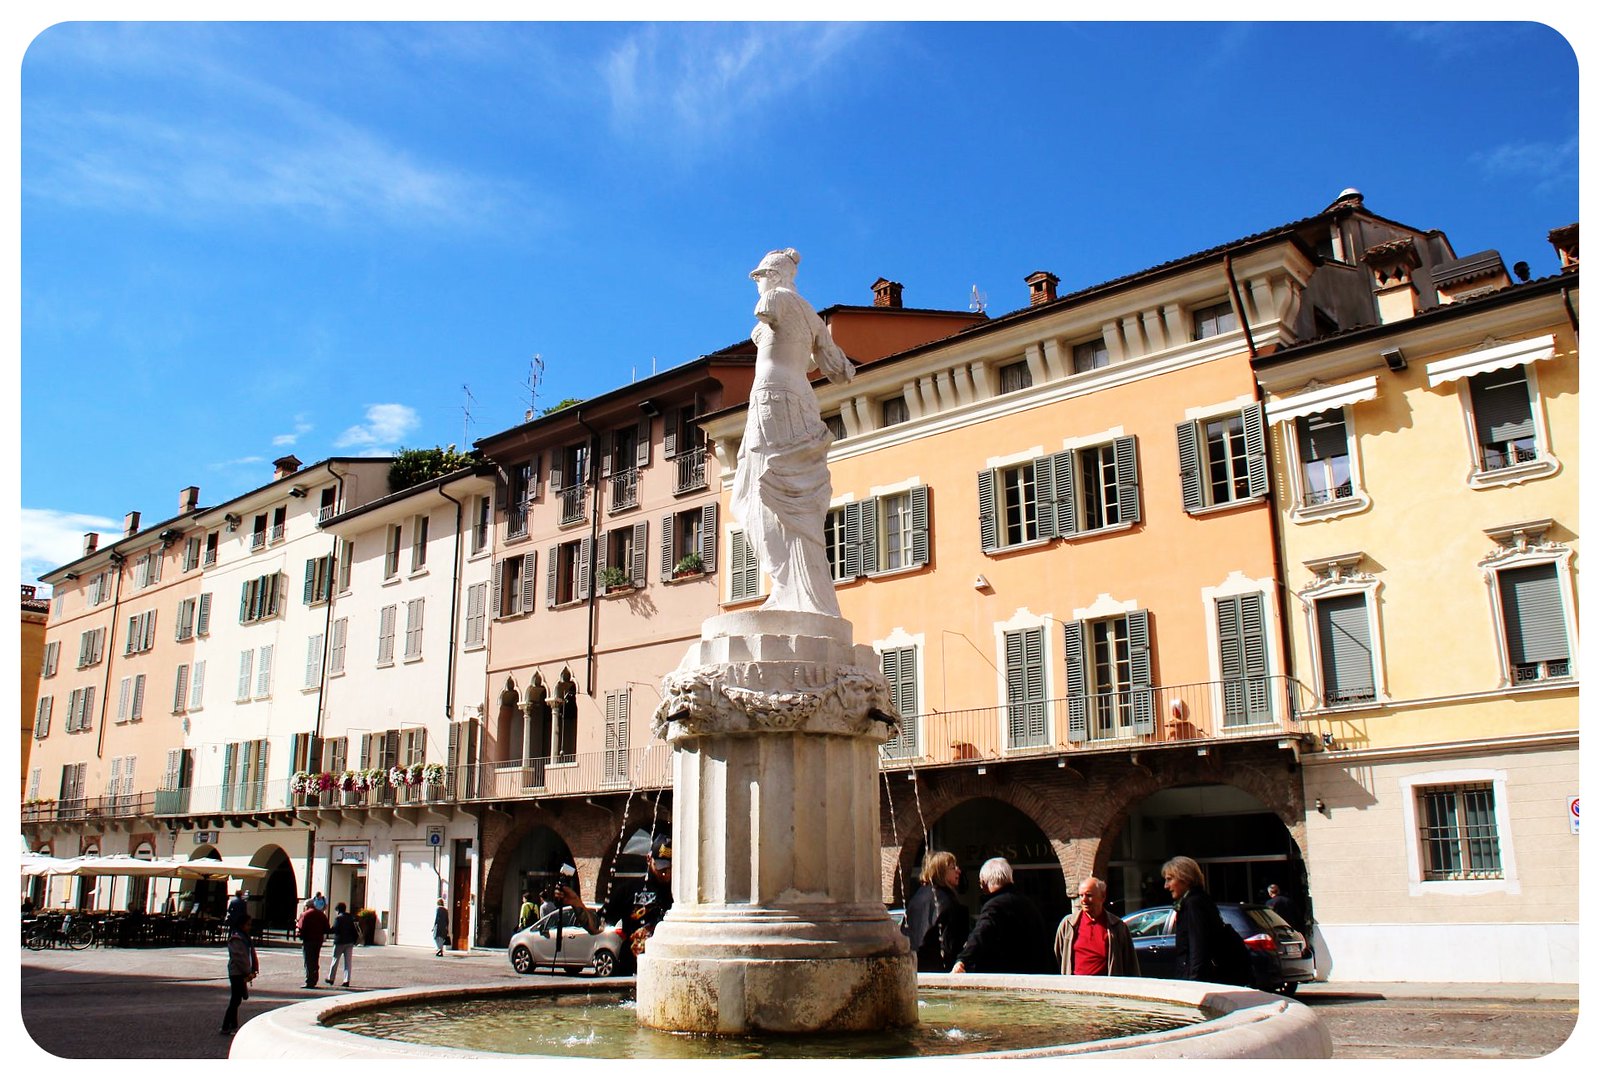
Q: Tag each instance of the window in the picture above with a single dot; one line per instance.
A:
(1534, 620)
(1459, 834)
(413, 646)
(1214, 319)
(618, 703)
(1502, 418)
(91, 647)
(1097, 487)
(744, 569)
(1344, 649)
(1025, 689)
(895, 411)
(1242, 653)
(1017, 503)
(202, 615)
(386, 623)
(247, 660)
(52, 659)
(191, 553)
(900, 672)
(211, 549)
(1324, 445)
(346, 559)
(99, 590)
(319, 581)
(327, 503)
(878, 535)
(197, 686)
(568, 472)
(481, 516)
(341, 631)
(511, 586)
(244, 775)
(264, 671)
(835, 542)
(625, 549)
(680, 434)
(1089, 355)
(474, 628)
(1224, 459)
(41, 717)
(628, 452)
(141, 633)
(419, 543)
(180, 689)
(185, 620)
(314, 648)
(259, 599)
(519, 492)
(691, 532)
(280, 522)
(80, 709)
(1108, 677)
(72, 782)
(391, 553)
(567, 573)
(147, 569)
(130, 699)
(834, 422)
(1015, 376)
(258, 532)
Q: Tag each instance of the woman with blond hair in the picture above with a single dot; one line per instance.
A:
(1208, 949)
(936, 920)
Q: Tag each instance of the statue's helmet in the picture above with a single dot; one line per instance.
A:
(781, 263)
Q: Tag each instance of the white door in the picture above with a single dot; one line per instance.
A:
(417, 896)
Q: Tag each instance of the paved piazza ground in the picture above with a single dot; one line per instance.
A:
(168, 1003)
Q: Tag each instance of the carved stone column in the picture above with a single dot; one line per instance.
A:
(778, 924)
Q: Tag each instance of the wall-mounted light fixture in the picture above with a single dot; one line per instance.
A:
(1394, 359)
(297, 493)
(1322, 807)
(980, 582)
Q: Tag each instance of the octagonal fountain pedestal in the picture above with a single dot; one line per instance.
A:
(778, 923)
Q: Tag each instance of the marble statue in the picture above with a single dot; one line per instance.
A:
(781, 487)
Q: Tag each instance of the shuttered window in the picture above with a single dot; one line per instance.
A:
(1108, 677)
(1017, 504)
(1223, 459)
(1344, 642)
(314, 649)
(1535, 623)
(419, 543)
(341, 630)
(386, 622)
(475, 628)
(900, 672)
(259, 599)
(319, 580)
(264, 671)
(247, 660)
(414, 613)
(52, 660)
(180, 689)
(41, 717)
(1324, 445)
(1025, 700)
(1242, 648)
(197, 686)
(1502, 415)
(744, 569)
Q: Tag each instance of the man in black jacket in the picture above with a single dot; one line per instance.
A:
(1010, 935)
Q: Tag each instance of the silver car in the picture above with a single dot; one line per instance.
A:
(559, 940)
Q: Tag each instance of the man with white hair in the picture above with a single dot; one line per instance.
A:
(1010, 935)
(1092, 941)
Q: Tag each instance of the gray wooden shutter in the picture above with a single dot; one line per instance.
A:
(1044, 495)
(584, 575)
(641, 541)
(557, 462)
(244, 602)
(1230, 654)
(1073, 634)
(641, 449)
(228, 753)
(1025, 687)
(608, 455)
(391, 748)
(1253, 417)
(669, 433)
(1189, 465)
(988, 521)
(1063, 468)
(738, 578)
(869, 536)
(1346, 649)
(920, 547)
(530, 567)
(708, 536)
(1144, 708)
(1252, 621)
(1125, 453)
(1536, 625)
(602, 557)
(668, 563)
(202, 619)
(496, 576)
(180, 688)
(551, 565)
(852, 540)
(365, 761)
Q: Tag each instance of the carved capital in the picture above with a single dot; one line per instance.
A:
(757, 696)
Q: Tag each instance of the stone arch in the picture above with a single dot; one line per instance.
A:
(279, 891)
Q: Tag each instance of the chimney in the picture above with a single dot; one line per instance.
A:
(1391, 264)
(90, 542)
(1565, 240)
(28, 592)
(188, 500)
(886, 293)
(287, 465)
(130, 523)
(1041, 287)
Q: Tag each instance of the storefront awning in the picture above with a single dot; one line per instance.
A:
(233, 866)
(1322, 399)
(1492, 359)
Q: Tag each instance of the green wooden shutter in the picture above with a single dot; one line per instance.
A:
(1189, 465)
(1125, 453)
(920, 547)
(180, 689)
(1025, 704)
(1255, 447)
(202, 619)
(988, 518)
(1347, 670)
(1144, 711)
(1072, 637)
(900, 672)
(228, 753)
(1252, 621)
(309, 593)
(852, 540)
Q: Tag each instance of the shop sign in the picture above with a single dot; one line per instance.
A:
(350, 854)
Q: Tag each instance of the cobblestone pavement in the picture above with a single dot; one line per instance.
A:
(168, 1003)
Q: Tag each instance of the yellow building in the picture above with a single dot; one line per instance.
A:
(1426, 478)
(35, 613)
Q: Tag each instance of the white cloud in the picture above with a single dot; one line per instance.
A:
(52, 538)
(1542, 164)
(235, 462)
(386, 424)
(302, 427)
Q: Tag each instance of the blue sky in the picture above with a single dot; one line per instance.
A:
(245, 240)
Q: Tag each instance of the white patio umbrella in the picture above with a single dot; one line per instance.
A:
(40, 865)
(217, 868)
(122, 866)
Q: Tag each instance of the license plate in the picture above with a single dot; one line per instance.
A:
(1292, 950)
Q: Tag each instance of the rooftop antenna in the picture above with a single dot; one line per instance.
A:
(466, 415)
(979, 302)
(535, 375)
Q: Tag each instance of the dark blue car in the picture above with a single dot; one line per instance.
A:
(1281, 957)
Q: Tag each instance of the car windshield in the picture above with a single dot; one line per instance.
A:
(1148, 923)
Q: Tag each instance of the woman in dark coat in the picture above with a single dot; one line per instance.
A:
(1208, 949)
(936, 919)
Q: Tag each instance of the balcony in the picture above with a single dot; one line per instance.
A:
(1192, 713)
(104, 808)
(572, 504)
(516, 520)
(577, 774)
(258, 540)
(624, 490)
(277, 534)
(691, 471)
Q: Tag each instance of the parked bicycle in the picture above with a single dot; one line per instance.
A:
(47, 933)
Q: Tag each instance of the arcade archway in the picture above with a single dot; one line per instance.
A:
(980, 829)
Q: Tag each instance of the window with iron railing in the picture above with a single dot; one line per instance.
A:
(1460, 836)
(625, 489)
(691, 475)
(572, 504)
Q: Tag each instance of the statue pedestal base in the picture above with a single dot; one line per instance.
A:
(778, 925)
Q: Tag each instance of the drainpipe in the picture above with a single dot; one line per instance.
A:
(1238, 305)
(594, 546)
(455, 600)
(322, 683)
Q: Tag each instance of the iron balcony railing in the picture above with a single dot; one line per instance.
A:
(580, 774)
(572, 502)
(104, 807)
(516, 519)
(1132, 719)
(624, 489)
(691, 470)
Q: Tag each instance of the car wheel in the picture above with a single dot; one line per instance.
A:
(605, 963)
(522, 960)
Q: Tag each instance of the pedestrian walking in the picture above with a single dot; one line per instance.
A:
(1208, 949)
(936, 919)
(441, 927)
(345, 936)
(320, 901)
(1286, 909)
(1010, 934)
(1091, 940)
(238, 908)
(242, 969)
(312, 928)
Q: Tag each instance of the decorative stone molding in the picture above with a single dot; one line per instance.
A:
(1336, 569)
(1521, 537)
(760, 696)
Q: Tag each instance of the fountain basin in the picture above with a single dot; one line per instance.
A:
(1237, 1023)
